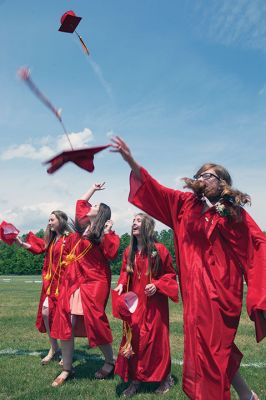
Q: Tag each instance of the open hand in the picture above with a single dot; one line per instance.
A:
(98, 186)
(108, 226)
(119, 146)
(119, 289)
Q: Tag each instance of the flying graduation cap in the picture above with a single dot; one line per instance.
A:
(83, 158)
(69, 23)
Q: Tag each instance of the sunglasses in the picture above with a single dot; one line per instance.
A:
(206, 176)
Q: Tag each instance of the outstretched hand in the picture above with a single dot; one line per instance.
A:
(119, 146)
(98, 186)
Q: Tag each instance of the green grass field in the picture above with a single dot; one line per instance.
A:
(23, 378)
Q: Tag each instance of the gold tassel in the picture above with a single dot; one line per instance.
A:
(57, 292)
(126, 350)
(48, 291)
(47, 276)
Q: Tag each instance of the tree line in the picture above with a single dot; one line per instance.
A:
(18, 261)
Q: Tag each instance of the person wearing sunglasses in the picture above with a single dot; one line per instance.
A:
(217, 246)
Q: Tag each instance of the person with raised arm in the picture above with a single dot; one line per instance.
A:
(217, 245)
(86, 286)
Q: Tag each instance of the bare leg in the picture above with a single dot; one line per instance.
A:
(54, 345)
(107, 351)
(109, 364)
(241, 387)
(67, 355)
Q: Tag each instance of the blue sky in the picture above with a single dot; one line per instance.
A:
(183, 82)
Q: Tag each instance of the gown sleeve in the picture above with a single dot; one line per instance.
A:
(37, 245)
(247, 244)
(82, 209)
(110, 245)
(256, 278)
(155, 199)
(166, 283)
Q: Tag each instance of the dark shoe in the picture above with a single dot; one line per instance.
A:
(165, 386)
(131, 390)
(51, 356)
(103, 374)
(60, 380)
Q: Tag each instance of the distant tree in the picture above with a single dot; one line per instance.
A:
(15, 260)
(117, 263)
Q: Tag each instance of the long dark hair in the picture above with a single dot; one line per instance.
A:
(96, 230)
(148, 240)
(227, 194)
(64, 227)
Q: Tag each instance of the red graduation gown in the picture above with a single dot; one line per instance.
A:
(212, 257)
(150, 321)
(92, 274)
(52, 253)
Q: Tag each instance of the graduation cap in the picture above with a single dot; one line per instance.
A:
(69, 23)
(124, 305)
(83, 158)
(8, 232)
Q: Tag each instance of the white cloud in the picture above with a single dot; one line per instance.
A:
(48, 146)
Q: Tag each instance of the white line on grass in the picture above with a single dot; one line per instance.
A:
(16, 352)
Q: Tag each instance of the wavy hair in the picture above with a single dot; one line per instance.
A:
(234, 198)
(96, 230)
(64, 227)
(148, 240)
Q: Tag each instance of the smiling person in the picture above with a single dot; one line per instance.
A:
(217, 244)
(55, 246)
(147, 271)
(86, 286)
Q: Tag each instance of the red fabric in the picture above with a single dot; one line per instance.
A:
(8, 232)
(83, 158)
(212, 256)
(150, 321)
(120, 308)
(82, 209)
(92, 275)
(37, 247)
(70, 12)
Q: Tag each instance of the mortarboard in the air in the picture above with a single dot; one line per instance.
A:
(8, 232)
(69, 22)
(83, 158)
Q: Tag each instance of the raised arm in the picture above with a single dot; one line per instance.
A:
(119, 146)
(94, 188)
